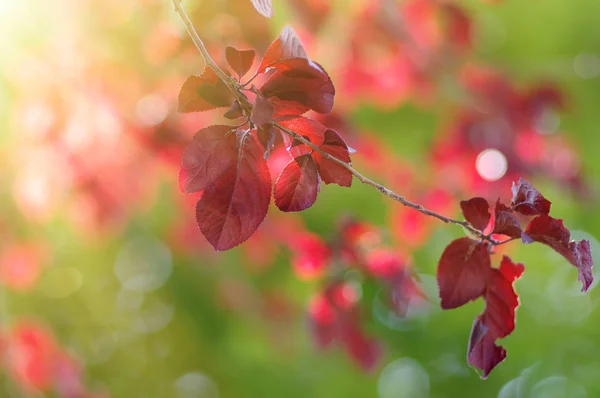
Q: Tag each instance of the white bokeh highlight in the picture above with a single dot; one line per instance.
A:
(491, 164)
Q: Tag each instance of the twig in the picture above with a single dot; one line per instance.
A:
(236, 88)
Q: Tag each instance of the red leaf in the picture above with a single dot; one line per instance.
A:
(301, 81)
(498, 318)
(311, 255)
(203, 93)
(298, 184)
(285, 109)
(264, 7)
(527, 200)
(262, 113)
(233, 207)
(235, 112)
(210, 155)
(308, 128)
(323, 320)
(399, 285)
(330, 171)
(552, 232)
(287, 45)
(266, 135)
(501, 299)
(476, 212)
(506, 223)
(334, 317)
(482, 352)
(459, 26)
(462, 272)
(239, 61)
(364, 350)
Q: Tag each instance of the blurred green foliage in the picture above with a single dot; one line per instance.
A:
(237, 353)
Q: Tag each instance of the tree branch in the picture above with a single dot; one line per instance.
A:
(246, 105)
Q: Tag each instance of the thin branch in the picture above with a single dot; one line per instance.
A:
(236, 88)
(386, 191)
(231, 83)
(189, 26)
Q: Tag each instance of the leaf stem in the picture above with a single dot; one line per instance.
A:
(236, 88)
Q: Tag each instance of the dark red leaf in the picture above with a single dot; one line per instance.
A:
(459, 26)
(305, 127)
(311, 255)
(235, 112)
(506, 223)
(264, 7)
(501, 299)
(301, 81)
(267, 135)
(552, 232)
(498, 318)
(482, 352)
(364, 350)
(462, 272)
(286, 109)
(330, 171)
(582, 253)
(527, 200)
(231, 209)
(262, 113)
(210, 154)
(476, 212)
(203, 93)
(334, 317)
(239, 61)
(297, 186)
(287, 45)
(397, 279)
(323, 319)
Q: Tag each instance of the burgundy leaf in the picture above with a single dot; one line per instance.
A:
(527, 200)
(239, 61)
(498, 318)
(322, 320)
(264, 7)
(330, 171)
(267, 135)
(235, 112)
(305, 127)
(364, 350)
(262, 113)
(231, 209)
(552, 232)
(582, 253)
(299, 80)
(482, 352)
(297, 186)
(210, 154)
(501, 299)
(203, 93)
(283, 110)
(476, 212)
(462, 272)
(287, 45)
(506, 223)
(311, 255)
(334, 316)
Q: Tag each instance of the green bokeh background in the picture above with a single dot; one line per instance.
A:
(554, 351)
